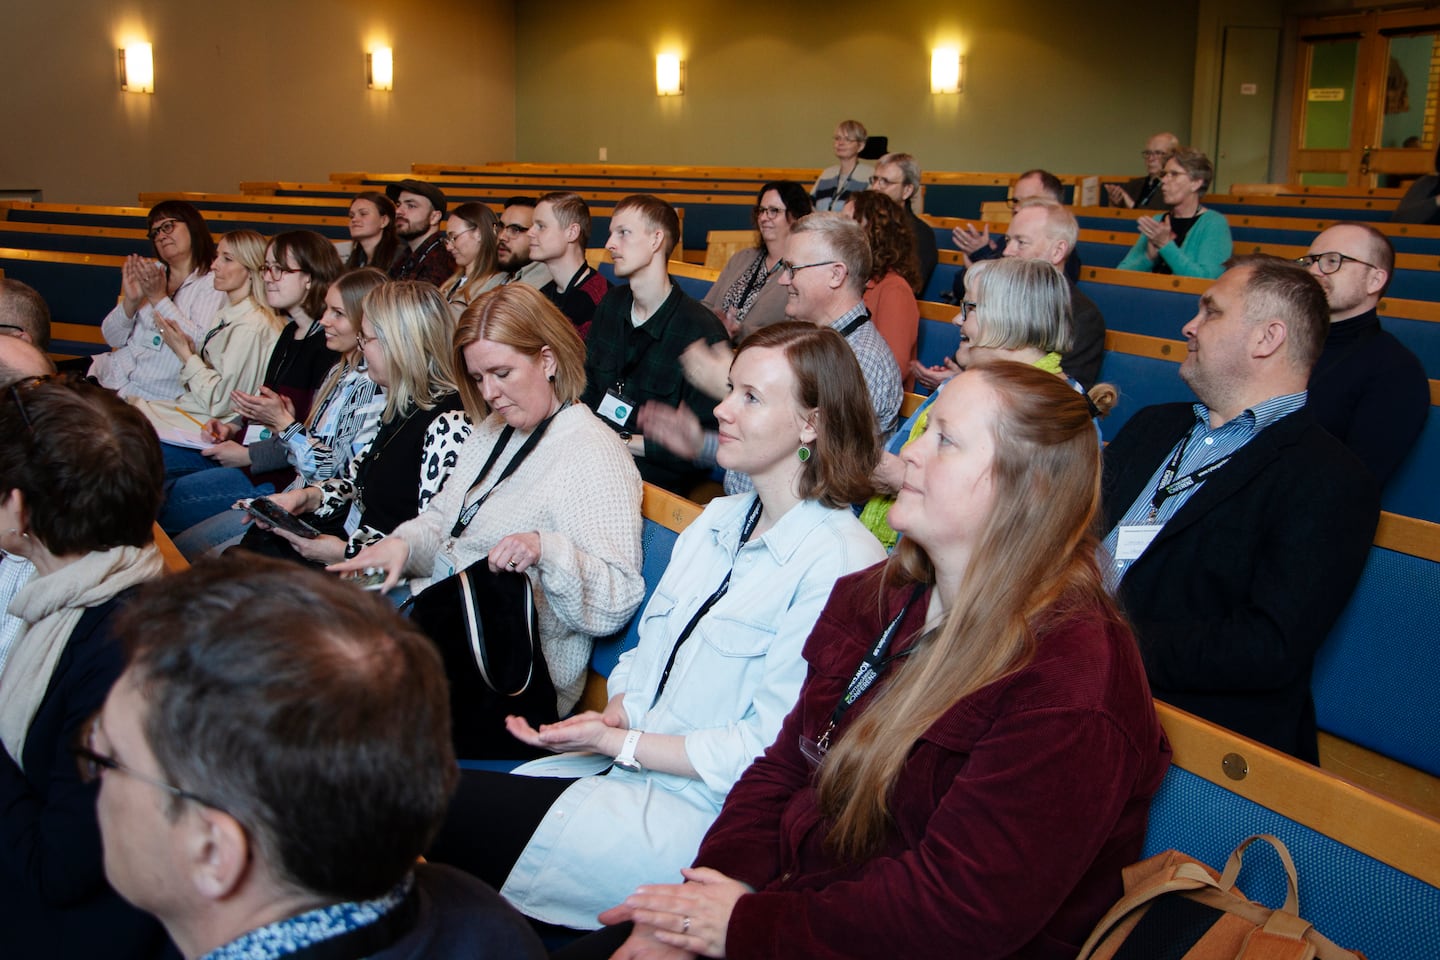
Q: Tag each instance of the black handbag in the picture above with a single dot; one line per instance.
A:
(485, 626)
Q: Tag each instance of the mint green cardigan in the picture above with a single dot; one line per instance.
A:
(1207, 246)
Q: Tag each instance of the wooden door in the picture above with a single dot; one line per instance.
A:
(1365, 98)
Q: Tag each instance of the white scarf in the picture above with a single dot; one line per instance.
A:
(51, 606)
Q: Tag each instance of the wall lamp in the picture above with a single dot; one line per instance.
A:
(380, 69)
(137, 68)
(947, 71)
(669, 75)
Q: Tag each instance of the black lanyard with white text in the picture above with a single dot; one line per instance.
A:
(1169, 486)
(751, 519)
(867, 673)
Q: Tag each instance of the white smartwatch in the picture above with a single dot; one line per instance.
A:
(625, 759)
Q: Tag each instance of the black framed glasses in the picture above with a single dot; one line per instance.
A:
(789, 269)
(91, 764)
(513, 229)
(1330, 262)
(162, 229)
(11, 329)
(967, 307)
(274, 271)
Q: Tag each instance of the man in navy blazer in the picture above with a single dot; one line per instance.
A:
(1238, 527)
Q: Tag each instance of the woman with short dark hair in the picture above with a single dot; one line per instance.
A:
(176, 286)
(1190, 240)
(747, 295)
(80, 478)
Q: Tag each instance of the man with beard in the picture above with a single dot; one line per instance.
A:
(1367, 389)
(512, 253)
(419, 208)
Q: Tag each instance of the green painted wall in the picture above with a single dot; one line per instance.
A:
(1073, 87)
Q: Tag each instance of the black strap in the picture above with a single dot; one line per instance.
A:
(752, 517)
(869, 670)
(854, 324)
(501, 442)
(1169, 485)
(628, 364)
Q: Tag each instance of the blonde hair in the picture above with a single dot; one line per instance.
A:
(248, 249)
(412, 323)
(1034, 564)
(353, 287)
(520, 317)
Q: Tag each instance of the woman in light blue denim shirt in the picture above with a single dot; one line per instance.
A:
(712, 678)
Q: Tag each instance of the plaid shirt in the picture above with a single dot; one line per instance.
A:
(877, 363)
(644, 364)
(431, 261)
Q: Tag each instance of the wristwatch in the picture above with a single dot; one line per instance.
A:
(625, 759)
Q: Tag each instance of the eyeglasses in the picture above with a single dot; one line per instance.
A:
(790, 269)
(450, 237)
(19, 403)
(91, 763)
(967, 307)
(274, 271)
(10, 326)
(879, 181)
(772, 212)
(514, 229)
(1152, 154)
(1330, 262)
(162, 229)
(361, 340)
(1167, 174)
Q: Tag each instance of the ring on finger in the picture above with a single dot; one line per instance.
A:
(685, 927)
(510, 565)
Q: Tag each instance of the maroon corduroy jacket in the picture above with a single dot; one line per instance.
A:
(1012, 818)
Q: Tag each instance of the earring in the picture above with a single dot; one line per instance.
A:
(803, 453)
(551, 378)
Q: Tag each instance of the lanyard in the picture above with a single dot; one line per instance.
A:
(211, 336)
(1169, 485)
(868, 672)
(627, 330)
(752, 517)
(580, 277)
(501, 442)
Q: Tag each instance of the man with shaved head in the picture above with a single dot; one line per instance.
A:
(1367, 389)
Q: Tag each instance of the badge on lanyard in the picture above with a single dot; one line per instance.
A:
(616, 407)
(1134, 539)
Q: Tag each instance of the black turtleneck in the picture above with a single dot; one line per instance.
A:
(1370, 392)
